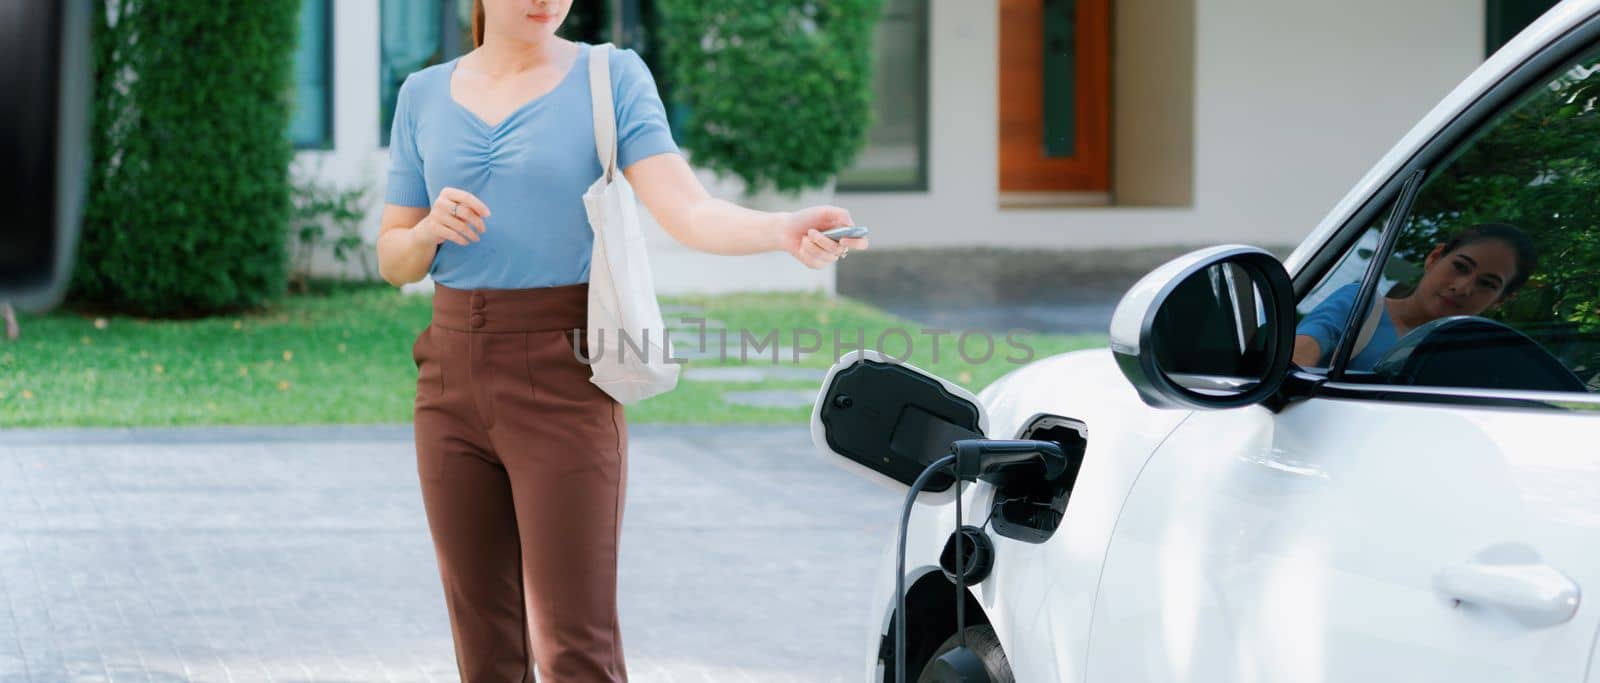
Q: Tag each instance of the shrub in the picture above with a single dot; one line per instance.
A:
(777, 92)
(189, 189)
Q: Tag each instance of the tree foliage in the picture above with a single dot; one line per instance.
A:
(777, 92)
(1535, 166)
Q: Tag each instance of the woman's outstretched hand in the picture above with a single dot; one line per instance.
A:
(800, 234)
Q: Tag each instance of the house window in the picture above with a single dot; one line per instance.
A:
(311, 124)
(1055, 97)
(896, 156)
(415, 34)
(1507, 18)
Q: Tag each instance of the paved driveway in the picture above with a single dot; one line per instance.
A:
(302, 554)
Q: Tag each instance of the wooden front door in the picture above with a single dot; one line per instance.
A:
(1055, 96)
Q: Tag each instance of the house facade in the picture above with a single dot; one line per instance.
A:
(1021, 146)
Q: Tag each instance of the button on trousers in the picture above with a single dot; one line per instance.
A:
(523, 464)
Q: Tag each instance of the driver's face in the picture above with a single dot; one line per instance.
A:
(1466, 281)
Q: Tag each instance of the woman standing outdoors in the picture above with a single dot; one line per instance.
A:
(522, 460)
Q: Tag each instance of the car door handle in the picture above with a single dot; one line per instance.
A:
(1512, 579)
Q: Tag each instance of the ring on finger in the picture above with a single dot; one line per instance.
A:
(456, 210)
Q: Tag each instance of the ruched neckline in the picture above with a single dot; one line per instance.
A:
(583, 55)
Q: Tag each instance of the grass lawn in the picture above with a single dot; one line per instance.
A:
(342, 356)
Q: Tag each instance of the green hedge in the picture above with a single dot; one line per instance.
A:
(777, 92)
(189, 192)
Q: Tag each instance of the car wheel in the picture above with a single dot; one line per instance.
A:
(983, 642)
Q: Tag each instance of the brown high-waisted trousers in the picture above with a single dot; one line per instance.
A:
(523, 464)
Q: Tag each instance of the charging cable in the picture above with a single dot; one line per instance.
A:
(900, 562)
(961, 571)
(970, 459)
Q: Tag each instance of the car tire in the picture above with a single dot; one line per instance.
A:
(981, 639)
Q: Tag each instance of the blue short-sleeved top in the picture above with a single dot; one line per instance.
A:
(1326, 324)
(530, 169)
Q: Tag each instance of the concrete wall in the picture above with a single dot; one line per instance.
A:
(1153, 125)
(1291, 103)
(1235, 120)
(355, 158)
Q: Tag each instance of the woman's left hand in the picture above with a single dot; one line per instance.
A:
(800, 234)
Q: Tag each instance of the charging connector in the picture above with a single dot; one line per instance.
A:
(978, 457)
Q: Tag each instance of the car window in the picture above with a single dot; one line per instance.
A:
(1494, 279)
(1323, 315)
(1327, 313)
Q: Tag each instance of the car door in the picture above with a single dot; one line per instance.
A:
(1430, 516)
(1332, 542)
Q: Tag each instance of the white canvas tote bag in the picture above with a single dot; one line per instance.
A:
(628, 344)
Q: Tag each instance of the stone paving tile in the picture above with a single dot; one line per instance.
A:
(261, 554)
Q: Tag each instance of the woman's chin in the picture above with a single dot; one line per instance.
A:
(533, 33)
(1439, 308)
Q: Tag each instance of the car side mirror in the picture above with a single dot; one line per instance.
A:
(1210, 329)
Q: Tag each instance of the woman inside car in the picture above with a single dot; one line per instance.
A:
(1471, 273)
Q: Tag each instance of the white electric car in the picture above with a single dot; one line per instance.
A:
(1416, 499)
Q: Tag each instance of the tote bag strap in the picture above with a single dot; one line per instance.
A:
(605, 114)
